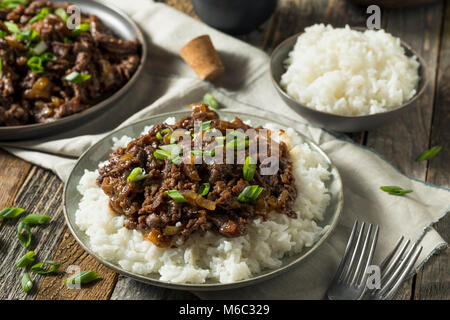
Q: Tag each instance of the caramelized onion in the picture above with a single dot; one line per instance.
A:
(157, 238)
(172, 230)
(205, 203)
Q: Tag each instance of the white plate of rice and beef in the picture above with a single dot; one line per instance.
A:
(203, 199)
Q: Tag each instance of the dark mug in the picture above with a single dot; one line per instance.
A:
(234, 16)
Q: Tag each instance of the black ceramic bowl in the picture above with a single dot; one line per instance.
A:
(234, 16)
(333, 121)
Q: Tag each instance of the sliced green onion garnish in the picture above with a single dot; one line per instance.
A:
(173, 149)
(36, 219)
(26, 260)
(48, 56)
(237, 144)
(177, 160)
(40, 16)
(40, 48)
(204, 189)
(163, 132)
(35, 64)
(12, 27)
(28, 35)
(77, 78)
(249, 168)
(250, 193)
(136, 175)
(206, 125)
(176, 195)
(3, 33)
(11, 213)
(211, 101)
(27, 284)
(161, 154)
(84, 277)
(24, 234)
(60, 12)
(429, 154)
(44, 267)
(395, 190)
(12, 4)
(83, 27)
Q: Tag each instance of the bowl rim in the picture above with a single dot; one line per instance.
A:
(110, 99)
(422, 64)
(207, 286)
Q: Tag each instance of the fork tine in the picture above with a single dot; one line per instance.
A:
(362, 256)
(355, 251)
(370, 255)
(347, 251)
(402, 277)
(393, 265)
(391, 255)
(398, 270)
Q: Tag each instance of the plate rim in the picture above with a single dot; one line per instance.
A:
(101, 104)
(207, 286)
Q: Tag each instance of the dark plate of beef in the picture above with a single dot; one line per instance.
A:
(56, 74)
(165, 198)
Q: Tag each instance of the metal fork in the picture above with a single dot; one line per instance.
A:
(350, 279)
(394, 271)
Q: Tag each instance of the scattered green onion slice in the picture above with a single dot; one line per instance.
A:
(250, 193)
(211, 101)
(83, 27)
(40, 48)
(429, 154)
(84, 277)
(163, 132)
(395, 190)
(24, 234)
(12, 27)
(173, 149)
(27, 284)
(3, 33)
(60, 12)
(204, 189)
(44, 267)
(12, 4)
(67, 40)
(35, 64)
(249, 168)
(26, 260)
(11, 213)
(36, 219)
(40, 16)
(76, 77)
(136, 175)
(176, 195)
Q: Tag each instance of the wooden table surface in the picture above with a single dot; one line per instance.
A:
(426, 29)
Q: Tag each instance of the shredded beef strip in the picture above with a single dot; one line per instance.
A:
(149, 208)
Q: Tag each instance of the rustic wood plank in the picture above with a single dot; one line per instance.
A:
(71, 255)
(401, 141)
(13, 173)
(433, 282)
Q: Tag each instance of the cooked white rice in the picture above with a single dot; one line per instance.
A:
(347, 72)
(212, 256)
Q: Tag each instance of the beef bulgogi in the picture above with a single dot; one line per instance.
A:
(51, 68)
(170, 196)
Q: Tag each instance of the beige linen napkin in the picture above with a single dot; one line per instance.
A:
(167, 84)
